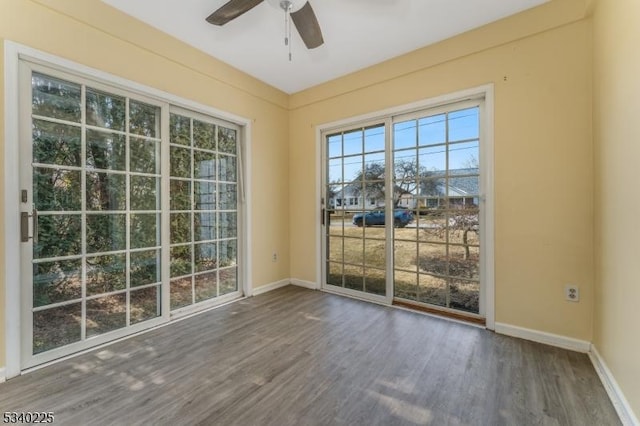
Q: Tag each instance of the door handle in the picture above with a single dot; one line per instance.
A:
(34, 216)
(323, 214)
(24, 226)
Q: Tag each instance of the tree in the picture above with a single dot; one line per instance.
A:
(408, 179)
(368, 183)
(465, 220)
(58, 188)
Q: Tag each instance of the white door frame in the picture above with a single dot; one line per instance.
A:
(484, 92)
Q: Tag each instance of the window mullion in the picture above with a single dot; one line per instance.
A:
(127, 231)
(388, 202)
(165, 200)
(83, 209)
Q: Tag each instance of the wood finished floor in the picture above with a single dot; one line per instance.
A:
(301, 357)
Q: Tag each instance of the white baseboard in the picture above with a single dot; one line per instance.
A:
(271, 286)
(620, 403)
(3, 375)
(306, 284)
(275, 285)
(541, 337)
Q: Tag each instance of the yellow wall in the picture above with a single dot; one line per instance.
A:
(617, 146)
(543, 153)
(2, 251)
(93, 34)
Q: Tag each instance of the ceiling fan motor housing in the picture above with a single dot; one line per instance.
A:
(286, 5)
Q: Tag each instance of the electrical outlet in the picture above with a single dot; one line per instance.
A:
(274, 257)
(572, 293)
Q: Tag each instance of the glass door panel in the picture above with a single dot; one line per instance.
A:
(204, 210)
(436, 170)
(94, 176)
(355, 231)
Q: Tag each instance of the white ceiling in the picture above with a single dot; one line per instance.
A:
(357, 33)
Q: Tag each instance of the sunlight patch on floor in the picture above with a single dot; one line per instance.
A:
(402, 409)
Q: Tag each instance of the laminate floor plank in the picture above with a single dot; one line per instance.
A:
(300, 357)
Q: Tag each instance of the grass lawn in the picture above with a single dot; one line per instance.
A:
(431, 263)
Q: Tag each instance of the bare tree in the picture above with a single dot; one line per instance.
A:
(406, 178)
(370, 182)
(465, 220)
(409, 179)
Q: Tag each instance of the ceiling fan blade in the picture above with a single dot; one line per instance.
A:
(231, 10)
(307, 24)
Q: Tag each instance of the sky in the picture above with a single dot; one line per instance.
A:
(425, 140)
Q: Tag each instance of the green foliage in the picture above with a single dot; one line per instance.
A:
(144, 230)
(180, 130)
(105, 110)
(227, 140)
(144, 119)
(57, 236)
(180, 162)
(144, 193)
(55, 282)
(56, 189)
(144, 156)
(145, 268)
(57, 144)
(105, 151)
(105, 232)
(181, 261)
(204, 135)
(106, 274)
(180, 194)
(180, 228)
(55, 98)
(106, 192)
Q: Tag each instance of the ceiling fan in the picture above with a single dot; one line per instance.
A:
(304, 19)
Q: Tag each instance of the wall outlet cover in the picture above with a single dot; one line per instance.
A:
(572, 293)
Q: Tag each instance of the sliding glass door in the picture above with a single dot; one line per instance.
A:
(355, 187)
(404, 212)
(129, 212)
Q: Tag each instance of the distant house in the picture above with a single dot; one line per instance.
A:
(352, 197)
(459, 187)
